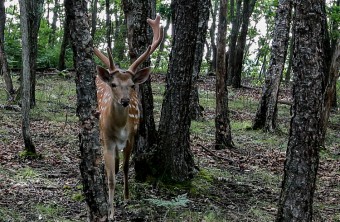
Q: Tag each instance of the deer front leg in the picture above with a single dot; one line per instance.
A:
(109, 159)
(127, 153)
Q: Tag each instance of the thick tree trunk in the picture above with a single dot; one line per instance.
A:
(266, 115)
(91, 166)
(64, 44)
(139, 38)
(174, 160)
(26, 78)
(248, 8)
(195, 107)
(307, 126)
(222, 124)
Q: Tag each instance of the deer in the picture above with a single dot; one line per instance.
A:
(118, 108)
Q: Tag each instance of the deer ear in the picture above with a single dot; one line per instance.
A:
(103, 74)
(142, 75)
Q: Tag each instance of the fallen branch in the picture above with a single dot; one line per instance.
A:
(214, 155)
(11, 107)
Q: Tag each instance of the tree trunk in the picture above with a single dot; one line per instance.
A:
(161, 46)
(290, 59)
(94, 18)
(2, 20)
(266, 115)
(222, 124)
(139, 38)
(108, 24)
(26, 77)
(307, 125)
(35, 11)
(212, 63)
(174, 160)
(235, 27)
(52, 37)
(64, 44)
(91, 166)
(248, 8)
(119, 35)
(6, 73)
(195, 107)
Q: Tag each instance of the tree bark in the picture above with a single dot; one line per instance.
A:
(212, 62)
(223, 136)
(248, 7)
(174, 160)
(91, 166)
(2, 20)
(35, 12)
(139, 38)
(195, 107)
(26, 78)
(233, 39)
(307, 126)
(266, 115)
(52, 37)
(94, 18)
(64, 44)
(108, 24)
(6, 73)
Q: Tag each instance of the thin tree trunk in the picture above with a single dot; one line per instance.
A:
(307, 126)
(222, 123)
(6, 73)
(64, 44)
(2, 20)
(235, 27)
(248, 8)
(212, 63)
(173, 158)
(266, 115)
(290, 58)
(108, 24)
(52, 37)
(94, 17)
(91, 166)
(139, 38)
(195, 107)
(26, 78)
(161, 46)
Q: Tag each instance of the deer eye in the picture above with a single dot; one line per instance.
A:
(133, 87)
(113, 85)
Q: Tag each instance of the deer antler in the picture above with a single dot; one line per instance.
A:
(157, 39)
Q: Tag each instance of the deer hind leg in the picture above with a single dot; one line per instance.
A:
(109, 159)
(127, 154)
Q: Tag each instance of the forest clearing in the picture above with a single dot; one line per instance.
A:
(240, 184)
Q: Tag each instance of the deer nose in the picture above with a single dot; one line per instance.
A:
(125, 102)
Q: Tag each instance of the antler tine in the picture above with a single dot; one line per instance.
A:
(102, 57)
(157, 39)
(112, 65)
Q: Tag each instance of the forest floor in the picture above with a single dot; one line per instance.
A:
(241, 184)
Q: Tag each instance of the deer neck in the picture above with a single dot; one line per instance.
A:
(118, 115)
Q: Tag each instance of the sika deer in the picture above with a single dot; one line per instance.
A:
(119, 112)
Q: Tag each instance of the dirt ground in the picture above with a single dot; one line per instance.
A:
(233, 185)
